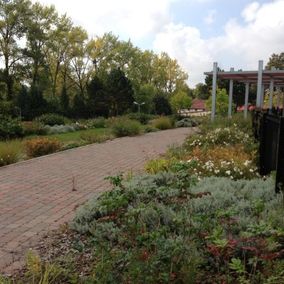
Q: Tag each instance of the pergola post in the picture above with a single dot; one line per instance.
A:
(246, 100)
(271, 90)
(259, 84)
(278, 97)
(230, 96)
(262, 95)
(214, 90)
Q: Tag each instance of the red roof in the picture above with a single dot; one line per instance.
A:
(198, 104)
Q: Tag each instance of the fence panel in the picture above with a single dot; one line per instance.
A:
(269, 131)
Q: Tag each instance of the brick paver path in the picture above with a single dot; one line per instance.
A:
(37, 195)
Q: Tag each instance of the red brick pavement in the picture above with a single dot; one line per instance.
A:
(36, 195)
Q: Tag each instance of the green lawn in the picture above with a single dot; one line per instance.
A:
(76, 136)
(69, 140)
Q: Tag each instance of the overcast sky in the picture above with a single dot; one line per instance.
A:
(236, 33)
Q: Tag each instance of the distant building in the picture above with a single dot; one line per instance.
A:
(198, 105)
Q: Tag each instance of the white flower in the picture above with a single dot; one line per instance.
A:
(228, 172)
(246, 163)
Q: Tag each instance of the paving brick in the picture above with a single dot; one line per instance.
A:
(36, 195)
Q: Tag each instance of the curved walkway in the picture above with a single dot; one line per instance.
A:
(38, 195)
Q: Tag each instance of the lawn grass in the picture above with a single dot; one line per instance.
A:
(70, 138)
(76, 136)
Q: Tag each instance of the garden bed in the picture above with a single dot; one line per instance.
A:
(211, 221)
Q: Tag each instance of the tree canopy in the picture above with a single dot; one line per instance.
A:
(44, 53)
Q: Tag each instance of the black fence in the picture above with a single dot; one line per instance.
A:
(269, 131)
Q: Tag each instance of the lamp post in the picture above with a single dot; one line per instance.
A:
(139, 105)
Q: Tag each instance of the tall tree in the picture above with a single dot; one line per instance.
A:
(56, 51)
(40, 26)
(276, 60)
(13, 16)
(80, 62)
(119, 92)
(97, 99)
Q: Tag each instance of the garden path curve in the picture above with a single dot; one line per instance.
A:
(37, 195)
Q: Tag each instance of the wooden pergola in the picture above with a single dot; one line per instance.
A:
(261, 78)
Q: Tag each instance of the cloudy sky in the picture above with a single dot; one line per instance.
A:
(235, 33)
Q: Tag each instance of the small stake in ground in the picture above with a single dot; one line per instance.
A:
(74, 183)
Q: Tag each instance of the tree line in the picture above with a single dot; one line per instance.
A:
(48, 64)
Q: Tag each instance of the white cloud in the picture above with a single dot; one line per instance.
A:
(241, 45)
(249, 13)
(211, 17)
(129, 18)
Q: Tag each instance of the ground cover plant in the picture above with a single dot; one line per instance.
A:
(170, 228)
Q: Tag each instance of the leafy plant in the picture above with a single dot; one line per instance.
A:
(99, 122)
(9, 154)
(186, 122)
(10, 128)
(126, 127)
(33, 128)
(95, 137)
(51, 119)
(162, 123)
(143, 118)
(41, 146)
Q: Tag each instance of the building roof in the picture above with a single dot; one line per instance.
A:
(198, 104)
(251, 76)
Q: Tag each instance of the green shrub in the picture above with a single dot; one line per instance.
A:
(90, 138)
(10, 128)
(158, 165)
(71, 145)
(126, 127)
(149, 128)
(143, 118)
(99, 122)
(9, 154)
(57, 129)
(237, 121)
(51, 119)
(186, 122)
(41, 146)
(162, 123)
(33, 128)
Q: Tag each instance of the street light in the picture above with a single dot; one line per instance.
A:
(139, 105)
